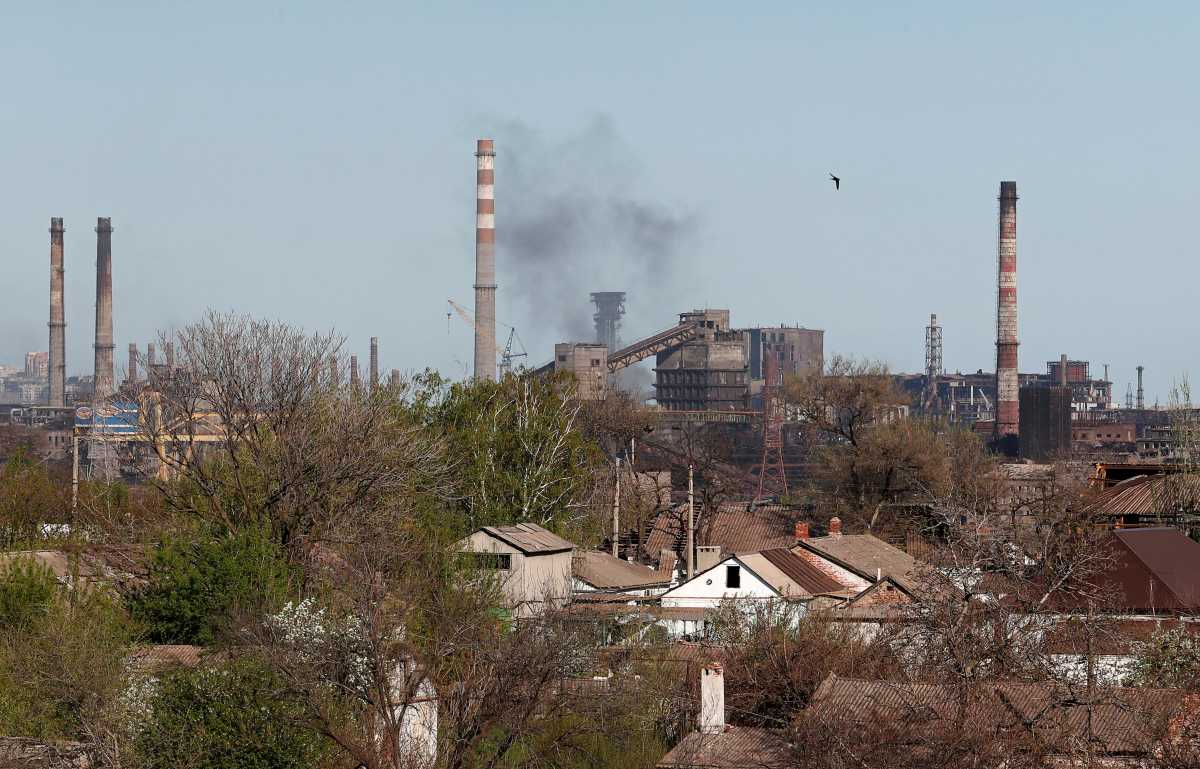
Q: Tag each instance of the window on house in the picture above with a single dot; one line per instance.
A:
(562, 359)
(733, 576)
(497, 561)
(595, 362)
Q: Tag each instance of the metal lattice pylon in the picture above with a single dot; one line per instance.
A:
(771, 474)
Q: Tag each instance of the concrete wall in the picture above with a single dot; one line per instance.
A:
(588, 363)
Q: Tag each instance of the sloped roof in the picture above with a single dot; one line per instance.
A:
(800, 572)
(1157, 568)
(735, 527)
(603, 571)
(737, 747)
(530, 538)
(1122, 719)
(866, 555)
(1148, 495)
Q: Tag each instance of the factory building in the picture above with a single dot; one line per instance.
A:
(706, 373)
(588, 363)
(798, 351)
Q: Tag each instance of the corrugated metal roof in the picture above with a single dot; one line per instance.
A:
(738, 747)
(1148, 495)
(603, 571)
(735, 527)
(1121, 719)
(867, 555)
(530, 538)
(811, 579)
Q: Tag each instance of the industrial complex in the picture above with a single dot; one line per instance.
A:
(706, 367)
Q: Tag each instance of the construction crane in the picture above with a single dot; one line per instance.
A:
(508, 356)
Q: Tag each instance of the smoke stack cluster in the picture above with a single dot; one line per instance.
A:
(1007, 385)
(58, 323)
(104, 381)
(374, 363)
(485, 260)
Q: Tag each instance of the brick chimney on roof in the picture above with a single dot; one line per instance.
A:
(801, 530)
(835, 527)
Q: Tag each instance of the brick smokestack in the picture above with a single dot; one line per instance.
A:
(131, 377)
(374, 363)
(151, 357)
(394, 380)
(58, 323)
(485, 260)
(104, 381)
(169, 352)
(1141, 394)
(1007, 385)
(354, 372)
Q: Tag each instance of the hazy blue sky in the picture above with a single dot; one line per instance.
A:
(313, 162)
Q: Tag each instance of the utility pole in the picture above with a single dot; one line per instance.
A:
(616, 522)
(691, 525)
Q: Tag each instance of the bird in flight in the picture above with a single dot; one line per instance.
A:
(837, 183)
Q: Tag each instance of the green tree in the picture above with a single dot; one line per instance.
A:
(26, 591)
(62, 670)
(199, 586)
(518, 449)
(28, 499)
(1169, 660)
(235, 716)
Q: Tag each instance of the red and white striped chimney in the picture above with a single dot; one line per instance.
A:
(1007, 395)
(485, 260)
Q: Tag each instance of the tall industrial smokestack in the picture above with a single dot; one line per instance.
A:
(394, 380)
(1007, 385)
(1141, 394)
(374, 363)
(485, 260)
(353, 372)
(58, 323)
(131, 377)
(169, 352)
(104, 381)
(151, 358)
(1062, 370)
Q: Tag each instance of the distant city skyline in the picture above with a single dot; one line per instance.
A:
(315, 164)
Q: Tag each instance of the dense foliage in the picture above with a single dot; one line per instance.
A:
(230, 716)
(200, 585)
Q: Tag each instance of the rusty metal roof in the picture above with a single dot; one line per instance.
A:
(1121, 719)
(736, 527)
(1148, 495)
(868, 556)
(801, 572)
(603, 571)
(530, 538)
(737, 747)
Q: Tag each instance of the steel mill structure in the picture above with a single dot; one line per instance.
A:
(610, 308)
(58, 323)
(1007, 387)
(374, 366)
(933, 363)
(485, 260)
(104, 382)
